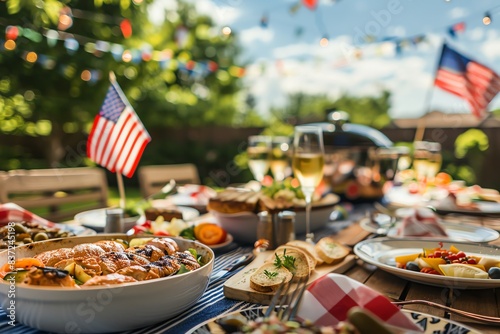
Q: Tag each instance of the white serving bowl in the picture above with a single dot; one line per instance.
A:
(243, 225)
(103, 309)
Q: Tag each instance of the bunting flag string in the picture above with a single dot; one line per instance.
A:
(119, 52)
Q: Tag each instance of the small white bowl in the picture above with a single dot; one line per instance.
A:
(104, 309)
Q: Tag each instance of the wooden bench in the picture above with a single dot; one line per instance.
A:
(56, 194)
(153, 178)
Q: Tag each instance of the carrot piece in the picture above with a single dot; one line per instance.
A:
(209, 233)
(24, 263)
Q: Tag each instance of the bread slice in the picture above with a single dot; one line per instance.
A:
(307, 248)
(268, 277)
(330, 251)
(310, 259)
(302, 265)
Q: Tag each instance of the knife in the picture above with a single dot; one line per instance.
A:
(241, 261)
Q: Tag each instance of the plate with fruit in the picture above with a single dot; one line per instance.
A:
(444, 264)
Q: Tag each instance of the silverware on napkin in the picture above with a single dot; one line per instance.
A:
(241, 261)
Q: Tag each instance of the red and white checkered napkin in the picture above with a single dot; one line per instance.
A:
(11, 212)
(327, 301)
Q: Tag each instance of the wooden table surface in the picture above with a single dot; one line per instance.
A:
(483, 301)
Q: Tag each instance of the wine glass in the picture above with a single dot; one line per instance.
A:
(280, 162)
(259, 151)
(307, 164)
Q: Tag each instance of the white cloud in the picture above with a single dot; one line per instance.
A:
(458, 12)
(254, 34)
(221, 14)
(489, 49)
(396, 31)
(476, 34)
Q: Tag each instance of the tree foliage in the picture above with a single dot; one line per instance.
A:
(61, 91)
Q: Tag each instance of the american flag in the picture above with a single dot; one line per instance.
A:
(118, 137)
(468, 79)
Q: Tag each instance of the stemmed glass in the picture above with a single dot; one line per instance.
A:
(280, 160)
(259, 151)
(307, 164)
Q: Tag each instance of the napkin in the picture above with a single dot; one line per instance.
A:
(421, 222)
(327, 301)
(11, 212)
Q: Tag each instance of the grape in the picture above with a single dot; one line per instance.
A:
(413, 266)
(494, 272)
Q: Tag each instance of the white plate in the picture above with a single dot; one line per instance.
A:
(96, 220)
(455, 231)
(430, 324)
(76, 229)
(228, 241)
(381, 252)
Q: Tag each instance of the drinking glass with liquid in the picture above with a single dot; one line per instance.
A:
(280, 158)
(259, 154)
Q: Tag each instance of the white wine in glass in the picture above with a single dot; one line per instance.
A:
(280, 159)
(259, 150)
(307, 164)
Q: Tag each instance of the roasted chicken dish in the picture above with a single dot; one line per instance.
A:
(104, 262)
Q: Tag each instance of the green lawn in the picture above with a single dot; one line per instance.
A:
(132, 195)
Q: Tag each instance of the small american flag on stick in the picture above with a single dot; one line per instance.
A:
(118, 137)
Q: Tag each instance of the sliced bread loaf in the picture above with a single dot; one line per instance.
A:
(268, 277)
(330, 251)
(307, 248)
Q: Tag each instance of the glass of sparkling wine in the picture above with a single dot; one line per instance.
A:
(280, 161)
(307, 164)
(259, 151)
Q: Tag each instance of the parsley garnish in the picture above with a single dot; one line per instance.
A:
(270, 274)
(287, 261)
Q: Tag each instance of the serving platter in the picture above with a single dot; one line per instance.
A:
(456, 231)
(430, 324)
(381, 252)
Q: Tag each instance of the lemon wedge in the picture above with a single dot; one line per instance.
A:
(463, 270)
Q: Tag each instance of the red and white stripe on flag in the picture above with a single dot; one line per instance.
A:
(117, 140)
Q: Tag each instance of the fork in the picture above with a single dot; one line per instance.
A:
(470, 315)
(286, 303)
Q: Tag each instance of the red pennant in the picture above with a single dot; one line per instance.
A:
(311, 4)
(126, 28)
(11, 32)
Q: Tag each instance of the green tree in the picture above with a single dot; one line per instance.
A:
(168, 78)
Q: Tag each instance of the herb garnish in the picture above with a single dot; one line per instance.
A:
(287, 261)
(270, 274)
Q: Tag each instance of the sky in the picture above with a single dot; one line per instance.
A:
(284, 56)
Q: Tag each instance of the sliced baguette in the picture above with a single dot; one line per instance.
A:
(310, 260)
(302, 264)
(330, 251)
(308, 249)
(268, 283)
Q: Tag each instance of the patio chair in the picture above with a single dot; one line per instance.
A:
(56, 194)
(153, 178)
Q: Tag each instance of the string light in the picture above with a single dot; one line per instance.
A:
(226, 31)
(323, 42)
(86, 75)
(487, 19)
(9, 45)
(31, 57)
